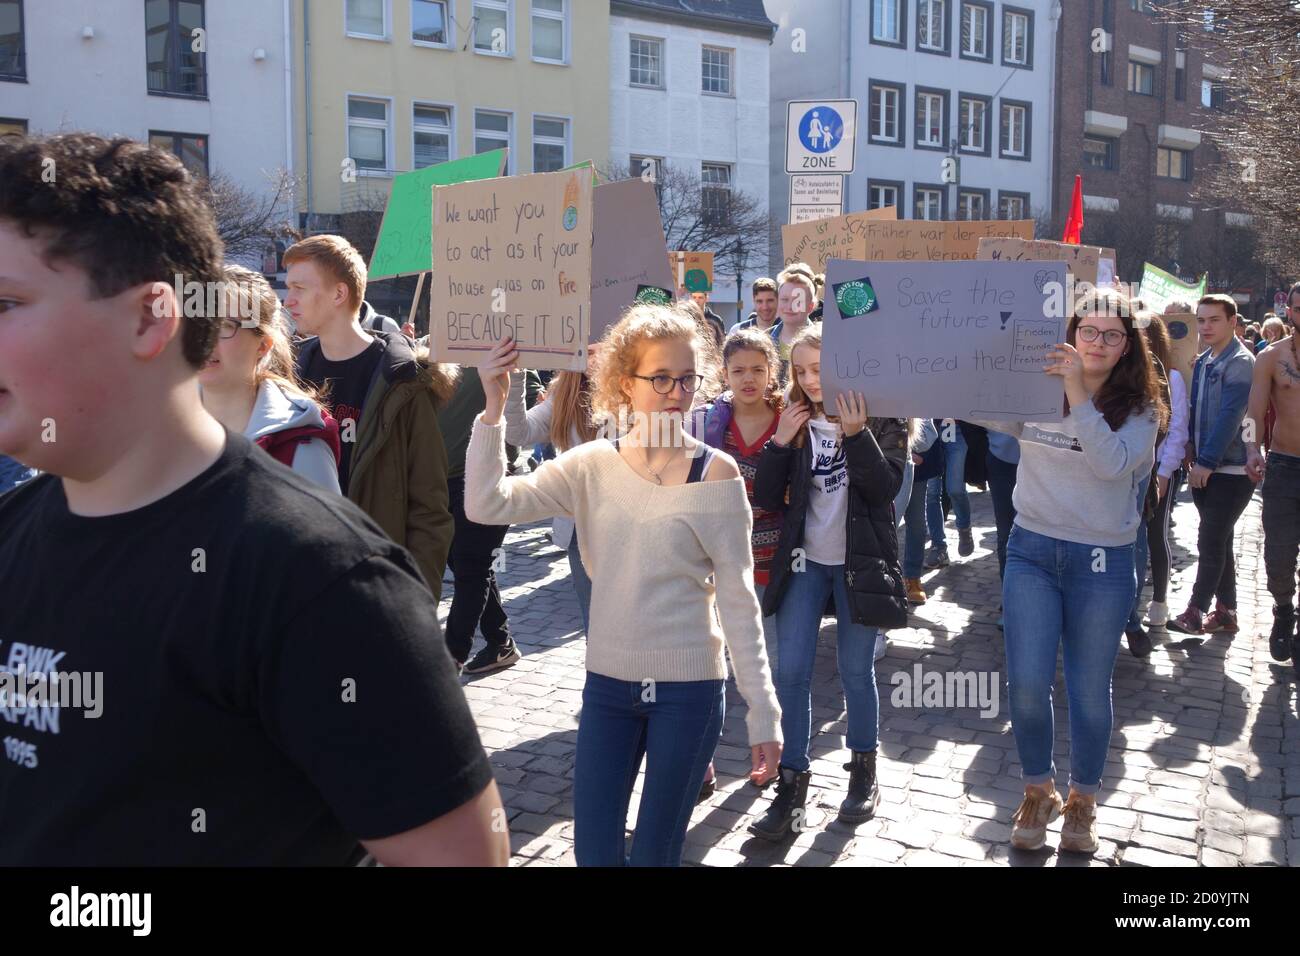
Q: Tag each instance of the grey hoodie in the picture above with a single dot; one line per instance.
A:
(275, 411)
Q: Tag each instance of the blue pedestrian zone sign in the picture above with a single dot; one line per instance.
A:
(821, 129)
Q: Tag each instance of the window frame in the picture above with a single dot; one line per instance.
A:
(1134, 69)
(663, 47)
(989, 12)
(900, 7)
(550, 140)
(1217, 90)
(635, 170)
(941, 189)
(1028, 107)
(899, 187)
(946, 23)
(1014, 194)
(417, 128)
(1186, 155)
(449, 17)
(511, 131)
(1112, 154)
(1180, 75)
(986, 195)
(173, 61)
(962, 148)
(1007, 13)
(389, 157)
(177, 136)
(564, 19)
(21, 75)
(900, 89)
(730, 188)
(509, 7)
(945, 132)
(387, 36)
(731, 70)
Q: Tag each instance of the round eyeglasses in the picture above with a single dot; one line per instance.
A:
(663, 384)
(1111, 337)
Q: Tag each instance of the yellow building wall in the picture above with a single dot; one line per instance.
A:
(396, 68)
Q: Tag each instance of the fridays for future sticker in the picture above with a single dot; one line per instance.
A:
(855, 297)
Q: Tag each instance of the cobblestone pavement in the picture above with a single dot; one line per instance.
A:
(1204, 763)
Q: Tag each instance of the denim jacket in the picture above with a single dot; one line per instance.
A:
(1220, 410)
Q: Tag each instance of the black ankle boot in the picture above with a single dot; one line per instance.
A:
(1279, 641)
(786, 811)
(864, 792)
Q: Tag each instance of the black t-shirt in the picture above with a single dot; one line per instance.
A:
(275, 684)
(346, 384)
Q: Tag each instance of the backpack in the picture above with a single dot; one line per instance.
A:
(282, 446)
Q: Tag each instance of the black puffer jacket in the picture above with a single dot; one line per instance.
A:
(874, 458)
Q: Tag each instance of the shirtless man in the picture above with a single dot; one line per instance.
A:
(1277, 380)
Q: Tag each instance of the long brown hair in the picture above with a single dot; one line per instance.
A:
(259, 307)
(1157, 337)
(1131, 388)
(810, 336)
(570, 398)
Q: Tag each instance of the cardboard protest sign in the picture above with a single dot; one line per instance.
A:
(513, 257)
(629, 254)
(1184, 343)
(831, 238)
(1083, 261)
(961, 340)
(1107, 267)
(921, 240)
(1159, 288)
(692, 271)
(402, 246)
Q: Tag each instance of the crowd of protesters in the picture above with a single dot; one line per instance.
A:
(258, 509)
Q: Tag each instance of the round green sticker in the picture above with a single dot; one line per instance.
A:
(854, 298)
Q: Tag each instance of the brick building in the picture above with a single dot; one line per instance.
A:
(1136, 98)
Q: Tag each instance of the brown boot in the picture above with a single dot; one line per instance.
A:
(915, 593)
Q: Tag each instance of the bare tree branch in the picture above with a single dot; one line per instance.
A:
(249, 221)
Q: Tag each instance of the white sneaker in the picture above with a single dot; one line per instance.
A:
(880, 645)
(1157, 614)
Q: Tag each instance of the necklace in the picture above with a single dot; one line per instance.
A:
(657, 475)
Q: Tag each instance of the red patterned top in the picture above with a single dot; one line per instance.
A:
(767, 524)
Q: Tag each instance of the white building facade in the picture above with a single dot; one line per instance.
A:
(955, 101)
(689, 87)
(218, 98)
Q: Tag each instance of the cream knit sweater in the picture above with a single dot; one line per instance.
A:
(650, 551)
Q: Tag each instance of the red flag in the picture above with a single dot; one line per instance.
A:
(1074, 225)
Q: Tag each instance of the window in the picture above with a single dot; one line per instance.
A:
(647, 57)
(492, 27)
(492, 131)
(173, 66)
(12, 127)
(1180, 75)
(972, 204)
(1212, 97)
(931, 119)
(715, 67)
(887, 21)
(366, 18)
(190, 148)
(1173, 163)
(886, 114)
(881, 195)
(1207, 20)
(931, 24)
(928, 202)
(1013, 205)
(1013, 142)
(653, 166)
(13, 62)
(433, 131)
(1141, 78)
(715, 191)
(550, 27)
(1141, 6)
(1098, 153)
(429, 22)
(550, 144)
(975, 30)
(368, 133)
(972, 114)
(1017, 37)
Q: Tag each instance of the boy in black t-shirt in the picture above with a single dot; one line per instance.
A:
(258, 673)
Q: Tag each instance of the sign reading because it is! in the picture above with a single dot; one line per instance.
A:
(965, 340)
(513, 257)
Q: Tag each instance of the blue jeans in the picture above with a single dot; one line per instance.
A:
(1141, 551)
(1002, 485)
(1077, 596)
(798, 620)
(581, 582)
(954, 481)
(914, 534)
(675, 726)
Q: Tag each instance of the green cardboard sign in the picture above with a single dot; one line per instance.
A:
(404, 244)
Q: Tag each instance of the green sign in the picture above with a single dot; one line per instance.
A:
(1159, 288)
(403, 247)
